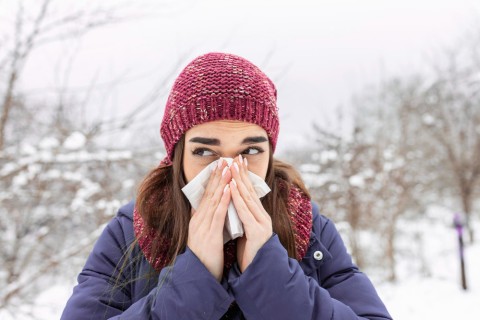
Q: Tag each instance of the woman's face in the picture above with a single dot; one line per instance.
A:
(209, 141)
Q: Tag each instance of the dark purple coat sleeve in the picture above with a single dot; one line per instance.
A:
(186, 291)
(176, 296)
(274, 286)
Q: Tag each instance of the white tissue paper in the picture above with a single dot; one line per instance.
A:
(194, 192)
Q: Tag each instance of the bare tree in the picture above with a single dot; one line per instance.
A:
(32, 30)
(451, 115)
(60, 183)
(398, 160)
(415, 142)
(340, 195)
(372, 178)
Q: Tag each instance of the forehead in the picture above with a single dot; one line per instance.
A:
(223, 128)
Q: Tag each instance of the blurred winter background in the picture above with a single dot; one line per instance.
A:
(380, 110)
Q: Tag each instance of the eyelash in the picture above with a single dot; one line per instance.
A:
(258, 149)
(196, 152)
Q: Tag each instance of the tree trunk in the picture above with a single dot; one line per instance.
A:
(390, 252)
(6, 107)
(356, 249)
(354, 221)
(466, 195)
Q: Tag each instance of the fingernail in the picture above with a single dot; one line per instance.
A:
(234, 182)
(220, 162)
(226, 188)
(240, 158)
(246, 162)
(236, 167)
(224, 171)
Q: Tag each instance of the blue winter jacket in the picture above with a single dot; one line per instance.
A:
(325, 285)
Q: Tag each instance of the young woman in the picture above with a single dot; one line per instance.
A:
(161, 259)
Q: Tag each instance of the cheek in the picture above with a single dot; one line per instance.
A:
(258, 166)
(189, 174)
(191, 169)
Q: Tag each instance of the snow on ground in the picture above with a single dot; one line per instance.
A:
(436, 297)
(48, 305)
(430, 287)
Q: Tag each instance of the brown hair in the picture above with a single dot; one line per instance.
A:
(164, 207)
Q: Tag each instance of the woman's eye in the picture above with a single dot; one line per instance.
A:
(202, 152)
(252, 150)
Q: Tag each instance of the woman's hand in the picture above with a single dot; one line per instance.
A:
(205, 230)
(257, 223)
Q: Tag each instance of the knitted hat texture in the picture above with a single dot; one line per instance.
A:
(219, 86)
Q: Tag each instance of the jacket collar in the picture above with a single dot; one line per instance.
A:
(310, 262)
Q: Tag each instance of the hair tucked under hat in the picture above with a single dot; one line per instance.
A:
(219, 86)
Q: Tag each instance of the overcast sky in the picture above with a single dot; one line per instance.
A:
(318, 52)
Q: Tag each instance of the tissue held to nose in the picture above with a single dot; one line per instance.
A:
(195, 189)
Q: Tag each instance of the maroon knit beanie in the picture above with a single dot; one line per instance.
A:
(219, 86)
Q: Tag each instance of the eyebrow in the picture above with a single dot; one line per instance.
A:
(216, 142)
(252, 140)
(209, 141)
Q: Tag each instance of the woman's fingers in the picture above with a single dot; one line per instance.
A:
(218, 220)
(257, 231)
(210, 183)
(246, 190)
(220, 199)
(213, 191)
(205, 236)
(240, 205)
(214, 180)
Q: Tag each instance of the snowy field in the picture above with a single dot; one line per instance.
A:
(437, 297)
(436, 294)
